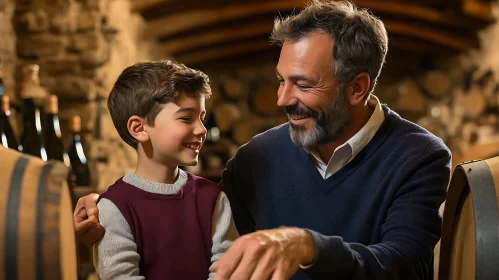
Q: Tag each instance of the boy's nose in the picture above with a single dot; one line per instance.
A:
(200, 129)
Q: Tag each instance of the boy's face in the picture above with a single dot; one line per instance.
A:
(178, 132)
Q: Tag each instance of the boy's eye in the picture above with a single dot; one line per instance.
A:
(203, 121)
(185, 118)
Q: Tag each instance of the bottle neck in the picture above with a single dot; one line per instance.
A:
(32, 115)
(74, 137)
(77, 148)
(53, 125)
(1, 86)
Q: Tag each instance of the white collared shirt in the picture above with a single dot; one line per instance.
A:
(344, 153)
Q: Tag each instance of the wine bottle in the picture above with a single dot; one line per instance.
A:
(8, 138)
(32, 137)
(1, 81)
(212, 131)
(52, 131)
(77, 158)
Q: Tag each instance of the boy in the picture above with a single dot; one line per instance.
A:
(162, 222)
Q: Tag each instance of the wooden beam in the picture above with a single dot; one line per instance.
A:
(205, 55)
(189, 20)
(215, 36)
(424, 39)
(141, 5)
(479, 8)
(233, 49)
(414, 46)
(457, 42)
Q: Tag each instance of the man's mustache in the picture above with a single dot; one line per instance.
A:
(297, 110)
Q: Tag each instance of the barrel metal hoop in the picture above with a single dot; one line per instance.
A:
(481, 184)
(12, 217)
(42, 183)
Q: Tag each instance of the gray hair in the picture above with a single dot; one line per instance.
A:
(360, 38)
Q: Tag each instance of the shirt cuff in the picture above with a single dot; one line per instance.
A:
(307, 266)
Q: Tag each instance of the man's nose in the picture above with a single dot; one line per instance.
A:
(285, 96)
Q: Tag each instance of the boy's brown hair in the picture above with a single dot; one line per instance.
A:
(142, 89)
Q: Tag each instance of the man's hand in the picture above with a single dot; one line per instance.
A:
(267, 254)
(86, 221)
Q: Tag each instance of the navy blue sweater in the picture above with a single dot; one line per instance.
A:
(376, 218)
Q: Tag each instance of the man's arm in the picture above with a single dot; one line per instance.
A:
(410, 232)
(115, 255)
(233, 189)
(224, 231)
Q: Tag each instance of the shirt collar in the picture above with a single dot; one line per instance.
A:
(362, 137)
(366, 133)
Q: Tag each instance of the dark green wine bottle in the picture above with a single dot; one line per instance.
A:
(7, 136)
(212, 131)
(77, 157)
(52, 131)
(32, 137)
(1, 81)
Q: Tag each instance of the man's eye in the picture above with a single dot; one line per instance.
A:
(203, 121)
(302, 86)
(281, 81)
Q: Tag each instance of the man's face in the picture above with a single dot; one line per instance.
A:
(308, 91)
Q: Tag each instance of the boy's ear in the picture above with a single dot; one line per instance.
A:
(136, 127)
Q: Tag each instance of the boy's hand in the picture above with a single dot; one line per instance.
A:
(267, 254)
(86, 221)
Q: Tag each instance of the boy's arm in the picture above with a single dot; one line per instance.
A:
(224, 230)
(115, 255)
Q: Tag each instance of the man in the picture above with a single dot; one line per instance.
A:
(347, 189)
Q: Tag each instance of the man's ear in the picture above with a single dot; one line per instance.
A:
(358, 88)
(136, 127)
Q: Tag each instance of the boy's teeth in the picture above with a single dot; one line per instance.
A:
(192, 147)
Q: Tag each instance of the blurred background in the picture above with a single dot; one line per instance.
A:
(442, 72)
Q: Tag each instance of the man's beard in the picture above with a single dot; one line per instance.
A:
(327, 127)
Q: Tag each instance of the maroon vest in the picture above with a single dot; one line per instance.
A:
(173, 233)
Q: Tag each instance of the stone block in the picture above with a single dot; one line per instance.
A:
(32, 21)
(48, 82)
(99, 5)
(63, 23)
(41, 45)
(89, 73)
(75, 87)
(88, 41)
(69, 64)
(89, 20)
(99, 57)
(107, 125)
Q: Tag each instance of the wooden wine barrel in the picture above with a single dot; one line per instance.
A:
(37, 239)
(470, 234)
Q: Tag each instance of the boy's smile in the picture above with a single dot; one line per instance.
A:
(195, 146)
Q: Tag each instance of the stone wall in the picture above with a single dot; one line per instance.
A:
(458, 99)
(82, 47)
(8, 57)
